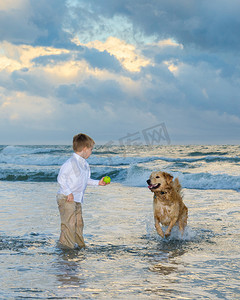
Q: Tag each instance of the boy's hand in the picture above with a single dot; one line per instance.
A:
(101, 182)
(70, 198)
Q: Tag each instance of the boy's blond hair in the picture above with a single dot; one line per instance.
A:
(81, 141)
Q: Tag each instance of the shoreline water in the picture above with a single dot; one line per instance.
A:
(124, 257)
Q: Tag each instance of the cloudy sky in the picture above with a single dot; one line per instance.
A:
(112, 67)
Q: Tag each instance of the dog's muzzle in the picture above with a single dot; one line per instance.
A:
(152, 186)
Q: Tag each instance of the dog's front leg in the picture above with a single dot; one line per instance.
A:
(158, 228)
(172, 223)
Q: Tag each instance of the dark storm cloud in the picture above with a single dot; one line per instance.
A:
(92, 91)
(16, 27)
(30, 82)
(36, 23)
(199, 86)
(206, 24)
(101, 60)
(49, 17)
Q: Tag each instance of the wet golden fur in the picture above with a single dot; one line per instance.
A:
(168, 205)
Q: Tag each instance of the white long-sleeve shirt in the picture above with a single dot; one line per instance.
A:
(74, 176)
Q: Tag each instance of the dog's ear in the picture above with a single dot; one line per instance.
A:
(168, 177)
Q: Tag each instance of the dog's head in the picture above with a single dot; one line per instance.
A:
(159, 181)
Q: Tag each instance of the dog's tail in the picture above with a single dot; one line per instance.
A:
(177, 185)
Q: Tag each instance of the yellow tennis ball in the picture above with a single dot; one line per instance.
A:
(107, 179)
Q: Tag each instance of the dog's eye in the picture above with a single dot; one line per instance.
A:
(157, 177)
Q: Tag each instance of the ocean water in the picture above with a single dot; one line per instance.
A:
(124, 257)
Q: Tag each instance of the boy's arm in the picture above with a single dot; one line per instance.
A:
(93, 181)
(62, 179)
(90, 180)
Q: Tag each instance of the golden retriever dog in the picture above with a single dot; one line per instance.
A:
(168, 205)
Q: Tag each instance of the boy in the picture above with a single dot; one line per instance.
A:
(73, 178)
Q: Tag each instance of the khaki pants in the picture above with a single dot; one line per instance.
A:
(71, 222)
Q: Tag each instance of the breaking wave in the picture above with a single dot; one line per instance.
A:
(42, 163)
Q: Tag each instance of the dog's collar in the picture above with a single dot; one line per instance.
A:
(162, 193)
